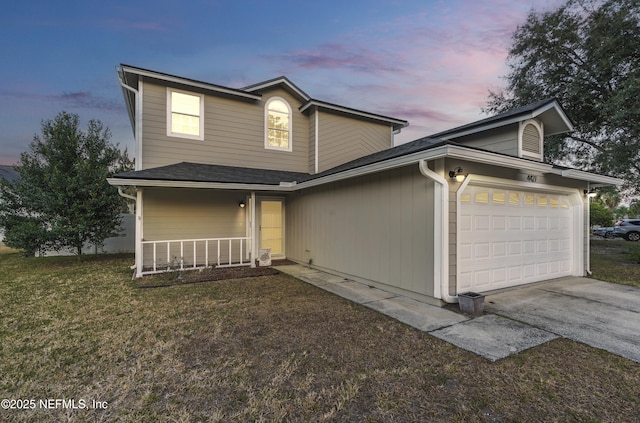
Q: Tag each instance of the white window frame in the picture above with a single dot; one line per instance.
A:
(266, 125)
(170, 132)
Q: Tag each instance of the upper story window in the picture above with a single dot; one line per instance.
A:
(185, 114)
(278, 125)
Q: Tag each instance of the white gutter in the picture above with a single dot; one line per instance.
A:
(194, 184)
(589, 177)
(122, 194)
(440, 234)
(190, 82)
(448, 151)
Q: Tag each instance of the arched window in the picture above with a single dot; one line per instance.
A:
(278, 125)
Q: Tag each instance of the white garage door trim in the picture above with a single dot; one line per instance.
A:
(576, 210)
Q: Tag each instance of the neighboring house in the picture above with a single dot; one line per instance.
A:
(224, 173)
(8, 173)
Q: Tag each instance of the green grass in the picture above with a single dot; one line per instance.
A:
(615, 261)
(267, 348)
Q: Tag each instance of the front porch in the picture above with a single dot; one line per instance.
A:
(195, 229)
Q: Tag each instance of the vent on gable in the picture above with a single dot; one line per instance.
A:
(531, 140)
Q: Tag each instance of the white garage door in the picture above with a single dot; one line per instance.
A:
(509, 237)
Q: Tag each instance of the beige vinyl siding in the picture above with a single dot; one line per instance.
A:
(174, 214)
(376, 228)
(501, 140)
(343, 139)
(312, 142)
(233, 134)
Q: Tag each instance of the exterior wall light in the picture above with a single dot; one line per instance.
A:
(457, 174)
(242, 204)
(590, 193)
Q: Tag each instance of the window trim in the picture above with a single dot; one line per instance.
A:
(170, 132)
(266, 125)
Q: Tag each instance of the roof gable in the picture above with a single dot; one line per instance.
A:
(548, 110)
(281, 81)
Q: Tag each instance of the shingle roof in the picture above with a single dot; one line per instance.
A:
(197, 172)
(523, 110)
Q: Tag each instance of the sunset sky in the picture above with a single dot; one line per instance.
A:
(430, 62)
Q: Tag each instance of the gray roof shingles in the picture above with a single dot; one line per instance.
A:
(197, 172)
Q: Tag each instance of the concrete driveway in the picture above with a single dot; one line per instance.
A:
(600, 314)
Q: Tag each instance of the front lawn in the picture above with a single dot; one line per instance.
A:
(267, 348)
(613, 261)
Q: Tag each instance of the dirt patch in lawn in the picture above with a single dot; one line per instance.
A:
(209, 275)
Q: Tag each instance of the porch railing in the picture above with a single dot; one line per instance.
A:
(189, 254)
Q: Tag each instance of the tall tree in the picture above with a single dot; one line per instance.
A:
(586, 54)
(61, 198)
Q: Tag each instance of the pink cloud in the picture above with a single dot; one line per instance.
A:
(349, 56)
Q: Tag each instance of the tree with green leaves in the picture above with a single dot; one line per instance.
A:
(586, 54)
(634, 209)
(61, 198)
(600, 215)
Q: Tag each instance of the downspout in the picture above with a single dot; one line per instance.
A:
(137, 134)
(122, 194)
(588, 241)
(441, 234)
(130, 197)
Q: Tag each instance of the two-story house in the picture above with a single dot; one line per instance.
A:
(224, 173)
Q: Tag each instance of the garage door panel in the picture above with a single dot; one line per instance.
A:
(510, 237)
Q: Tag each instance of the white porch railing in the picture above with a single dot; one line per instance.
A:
(192, 254)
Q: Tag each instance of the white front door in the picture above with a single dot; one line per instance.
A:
(271, 226)
(509, 236)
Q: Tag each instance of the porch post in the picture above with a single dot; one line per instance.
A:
(139, 232)
(254, 238)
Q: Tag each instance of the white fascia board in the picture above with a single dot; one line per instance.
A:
(192, 83)
(354, 112)
(589, 177)
(450, 151)
(497, 159)
(559, 111)
(279, 81)
(194, 184)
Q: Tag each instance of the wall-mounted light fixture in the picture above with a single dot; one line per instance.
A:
(242, 204)
(590, 192)
(457, 174)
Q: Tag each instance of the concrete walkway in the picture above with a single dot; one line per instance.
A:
(490, 336)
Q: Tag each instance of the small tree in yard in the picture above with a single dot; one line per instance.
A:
(62, 198)
(599, 214)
